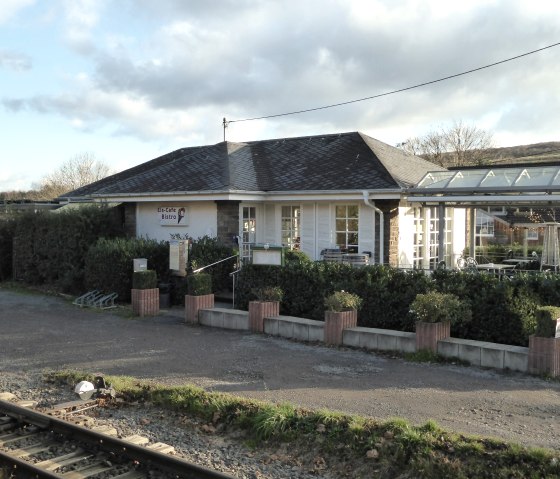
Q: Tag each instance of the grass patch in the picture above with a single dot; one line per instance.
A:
(392, 448)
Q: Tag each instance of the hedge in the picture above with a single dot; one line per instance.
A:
(7, 228)
(109, 263)
(502, 311)
(50, 248)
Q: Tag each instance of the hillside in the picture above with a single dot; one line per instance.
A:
(535, 153)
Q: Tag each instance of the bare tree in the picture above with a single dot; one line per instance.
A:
(80, 170)
(458, 145)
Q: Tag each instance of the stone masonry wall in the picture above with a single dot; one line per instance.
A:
(228, 221)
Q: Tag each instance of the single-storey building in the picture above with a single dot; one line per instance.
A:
(313, 193)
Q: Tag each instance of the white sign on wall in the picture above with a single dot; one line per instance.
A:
(172, 215)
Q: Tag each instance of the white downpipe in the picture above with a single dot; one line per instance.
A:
(371, 204)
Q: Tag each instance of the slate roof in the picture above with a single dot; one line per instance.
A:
(345, 161)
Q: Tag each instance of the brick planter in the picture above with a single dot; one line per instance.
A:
(336, 322)
(428, 335)
(145, 302)
(258, 310)
(195, 303)
(544, 355)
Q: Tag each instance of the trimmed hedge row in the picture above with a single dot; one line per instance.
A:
(502, 311)
(7, 228)
(50, 248)
(109, 265)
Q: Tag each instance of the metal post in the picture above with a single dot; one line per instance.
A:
(441, 232)
(472, 239)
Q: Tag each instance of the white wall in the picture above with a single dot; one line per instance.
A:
(201, 220)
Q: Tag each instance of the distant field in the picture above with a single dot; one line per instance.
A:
(536, 153)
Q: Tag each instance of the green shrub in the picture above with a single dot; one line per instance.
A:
(109, 263)
(269, 293)
(342, 301)
(199, 284)
(206, 251)
(144, 279)
(546, 317)
(7, 228)
(51, 247)
(435, 307)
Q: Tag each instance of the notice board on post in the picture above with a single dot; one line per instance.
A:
(178, 257)
(268, 254)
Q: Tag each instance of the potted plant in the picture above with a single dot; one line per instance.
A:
(434, 314)
(266, 305)
(544, 345)
(199, 296)
(145, 293)
(341, 313)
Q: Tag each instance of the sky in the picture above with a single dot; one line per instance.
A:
(130, 80)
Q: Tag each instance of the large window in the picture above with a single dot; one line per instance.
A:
(426, 237)
(484, 224)
(291, 217)
(347, 227)
(249, 230)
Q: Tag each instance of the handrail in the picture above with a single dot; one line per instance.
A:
(198, 270)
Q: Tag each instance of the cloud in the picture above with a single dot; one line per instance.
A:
(81, 18)
(175, 68)
(14, 61)
(10, 8)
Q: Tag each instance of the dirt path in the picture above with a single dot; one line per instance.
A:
(48, 333)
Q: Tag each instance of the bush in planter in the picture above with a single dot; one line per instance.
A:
(435, 307)
(268, 293)
(342, 301)
(144, 279)
(546, 321)
(199, 284)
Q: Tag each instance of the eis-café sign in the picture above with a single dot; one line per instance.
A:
(172, 215)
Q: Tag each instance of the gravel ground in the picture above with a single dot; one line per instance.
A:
(45, 332)
(193, 439)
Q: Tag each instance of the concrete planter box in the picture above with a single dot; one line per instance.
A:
(145, 302)
(258, 310)
(193, 304)
(544, 355)
(336, 322)
(428, 335)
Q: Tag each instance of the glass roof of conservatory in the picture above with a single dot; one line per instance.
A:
(490, 185)
(541, 178)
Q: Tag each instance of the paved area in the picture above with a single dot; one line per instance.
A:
(43, 332)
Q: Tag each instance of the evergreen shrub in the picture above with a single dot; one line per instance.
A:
(144, 279)
(546, 321)
(50, 247)
(199, 284)
(109, 263)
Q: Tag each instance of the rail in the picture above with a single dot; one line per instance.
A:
(17, 418)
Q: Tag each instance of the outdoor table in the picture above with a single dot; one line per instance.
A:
(496, 268)
(518, 261)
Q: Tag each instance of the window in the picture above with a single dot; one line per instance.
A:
(249, 230)
(533, 234)
(291, 217)
(426, 237)
(418, 254)
(484, 225)
(346, 217)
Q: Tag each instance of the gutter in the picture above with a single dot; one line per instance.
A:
(371, 204)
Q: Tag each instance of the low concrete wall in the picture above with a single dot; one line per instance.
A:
(488, 355)
(477, 353)
(379, 339)
(224, 318)
(295, 328)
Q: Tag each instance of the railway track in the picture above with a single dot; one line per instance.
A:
(34, 444)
